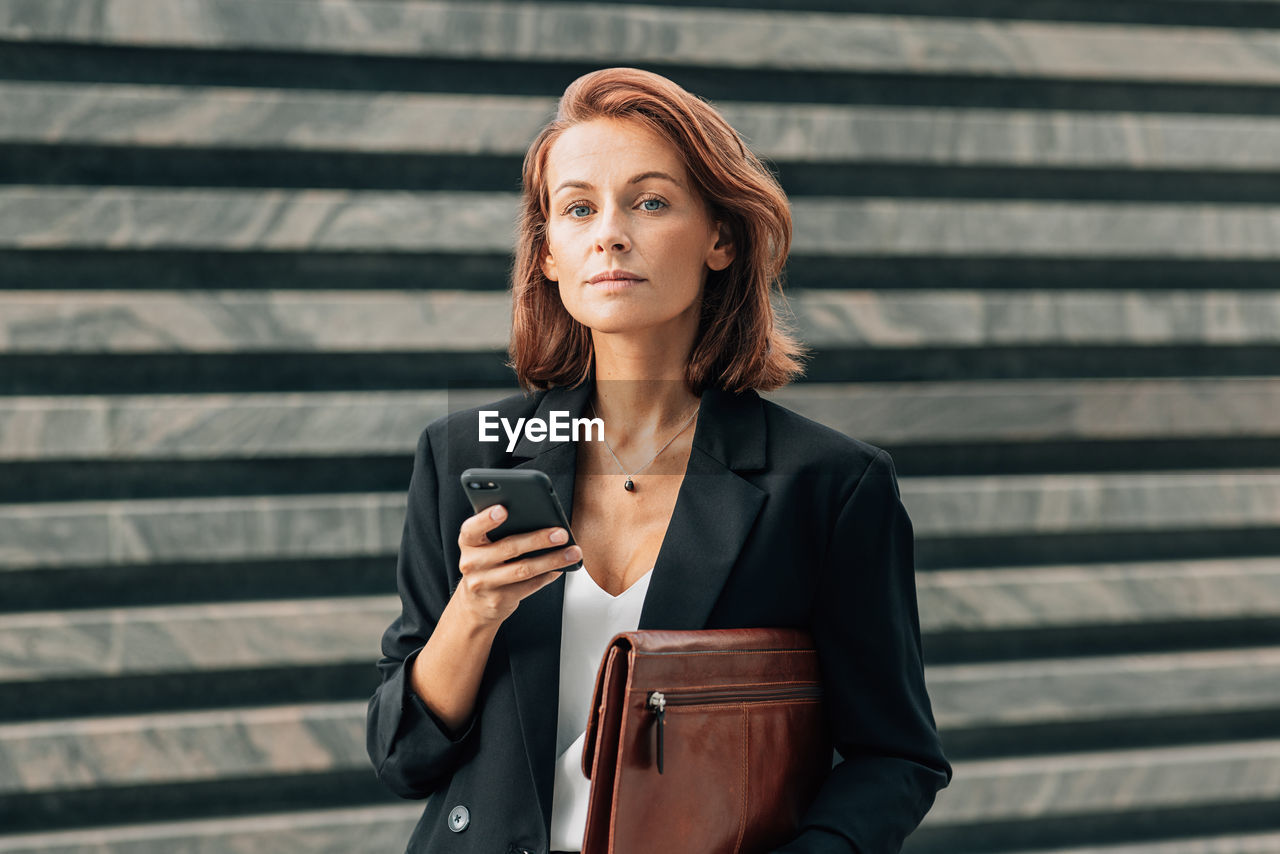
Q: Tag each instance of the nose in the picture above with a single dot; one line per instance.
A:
(611, 231)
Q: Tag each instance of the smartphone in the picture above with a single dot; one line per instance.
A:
(530, 500)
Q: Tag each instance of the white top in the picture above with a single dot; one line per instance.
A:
(591, 618)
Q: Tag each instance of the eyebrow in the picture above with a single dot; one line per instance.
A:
(583, 185)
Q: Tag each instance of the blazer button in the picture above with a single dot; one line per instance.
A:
(459, 818)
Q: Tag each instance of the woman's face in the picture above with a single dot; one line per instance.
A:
(620, 199)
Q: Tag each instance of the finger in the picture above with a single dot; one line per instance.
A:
(475, 528)
(511, 547)
(533, 585)
(533, 567)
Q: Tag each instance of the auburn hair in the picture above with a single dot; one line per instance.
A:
(740, 343)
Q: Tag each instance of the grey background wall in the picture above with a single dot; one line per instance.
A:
(248, 248)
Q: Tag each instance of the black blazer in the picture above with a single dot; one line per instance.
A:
(779, 521)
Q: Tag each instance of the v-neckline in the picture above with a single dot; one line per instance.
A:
(624, 592)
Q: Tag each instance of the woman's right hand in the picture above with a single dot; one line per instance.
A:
(490, 588)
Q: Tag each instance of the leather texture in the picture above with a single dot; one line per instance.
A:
(739, 769)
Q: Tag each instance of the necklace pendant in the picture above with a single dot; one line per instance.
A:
(629, 486)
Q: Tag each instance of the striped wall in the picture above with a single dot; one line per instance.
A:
(249, 248)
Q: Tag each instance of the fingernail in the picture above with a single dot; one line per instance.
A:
(559, 536)
(497, 512)
(572, 553)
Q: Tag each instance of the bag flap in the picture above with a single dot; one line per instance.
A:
(612, 671)
(710, 640)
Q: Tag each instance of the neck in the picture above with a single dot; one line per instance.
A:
(640, 390)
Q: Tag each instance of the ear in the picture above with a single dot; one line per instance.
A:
(722, 253)
(548, 264)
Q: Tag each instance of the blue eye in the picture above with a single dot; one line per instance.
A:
(570, 211)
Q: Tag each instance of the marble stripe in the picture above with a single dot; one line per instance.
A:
(181, 116)
(1023, 411)
(1118, 781)
(216, 528)
(974, 600)
(947, 136)
(662, 35)
(204, 426)
(1083, 503)
(48, 756)
(234, 321)
(232, 220)
(853, 318)
(446, 123)
(117, 640)
(468, 321)
(169, 748)
(1059, 229)
(152, 640)
(173, 638)
(120, 641)
(237, 219)
(950, 600)
(213, 426)
(192, 746)
(231, 528)
(1086, 690)
(187, 746)
(361, 830)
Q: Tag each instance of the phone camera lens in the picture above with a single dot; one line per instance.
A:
(474, 484)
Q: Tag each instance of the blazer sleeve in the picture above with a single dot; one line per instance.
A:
(866, 629)
(411, 749)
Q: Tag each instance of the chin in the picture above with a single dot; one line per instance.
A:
(622, 316)
(614, 326)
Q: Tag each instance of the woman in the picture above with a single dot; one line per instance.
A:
(650, 241)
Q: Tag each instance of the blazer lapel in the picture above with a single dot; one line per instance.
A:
(714, 512)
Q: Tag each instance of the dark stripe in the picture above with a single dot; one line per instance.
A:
(69, 588)
(180, 269)
(197, 373)
(67, 809)
(189, 690)
(1117, 733)
(78, 164)
(1028, 549)
(230, 474)
(975, 645)
(1186, 13)
(305, 70)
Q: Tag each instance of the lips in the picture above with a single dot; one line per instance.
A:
(614, 276)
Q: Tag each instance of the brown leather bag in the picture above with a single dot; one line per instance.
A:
(707, 742)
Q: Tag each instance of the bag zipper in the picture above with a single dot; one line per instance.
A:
(658, 701)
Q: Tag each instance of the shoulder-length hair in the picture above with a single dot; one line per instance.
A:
(740, 343)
